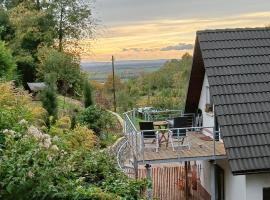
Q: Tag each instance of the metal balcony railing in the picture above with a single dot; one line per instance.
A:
(202, 143)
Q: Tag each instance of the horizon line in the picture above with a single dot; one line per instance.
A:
(106, 61)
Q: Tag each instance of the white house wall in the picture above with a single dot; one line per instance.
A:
(255, 185)
(235, 186)
(208, 119)
(205, 176)
(240, 187)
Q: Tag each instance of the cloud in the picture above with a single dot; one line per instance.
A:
(150, 39)
(137, 49)
(178, 47)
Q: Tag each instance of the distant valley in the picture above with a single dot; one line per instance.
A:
(124, 69)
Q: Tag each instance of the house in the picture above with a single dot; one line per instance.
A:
(230, 85)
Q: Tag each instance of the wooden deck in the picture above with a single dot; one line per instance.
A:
(201, 148)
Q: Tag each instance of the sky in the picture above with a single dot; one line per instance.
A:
(164, 29)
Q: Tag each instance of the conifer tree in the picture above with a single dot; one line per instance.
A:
(49, 96)
(87, 92)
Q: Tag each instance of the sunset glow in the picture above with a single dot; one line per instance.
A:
(160, 38)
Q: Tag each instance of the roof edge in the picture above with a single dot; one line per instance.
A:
(233, 29)
(195, 80)
(250, 172)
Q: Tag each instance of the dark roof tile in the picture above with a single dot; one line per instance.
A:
(237, 63)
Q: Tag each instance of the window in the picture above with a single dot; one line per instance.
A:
(266, 193)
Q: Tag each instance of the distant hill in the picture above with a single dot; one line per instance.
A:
(125, 69)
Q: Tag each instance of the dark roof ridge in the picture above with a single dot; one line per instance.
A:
(233, 29)
(248, 65)
(244, 146)
(249, 134)
(239, 83)
(250, 123)
(256, 55)
(236, 48)
(234, 39)
(249, 73)
(220, 57)
(237, 64)
(242, 113)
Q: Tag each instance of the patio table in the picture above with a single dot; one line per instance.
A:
(161, 124)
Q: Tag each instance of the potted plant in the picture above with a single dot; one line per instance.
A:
(208, 108)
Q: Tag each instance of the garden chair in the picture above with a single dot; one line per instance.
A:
(148, 133)
(177, 136)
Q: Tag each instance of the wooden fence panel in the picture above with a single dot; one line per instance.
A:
(168, 182)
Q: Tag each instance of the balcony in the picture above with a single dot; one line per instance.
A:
(198, 143)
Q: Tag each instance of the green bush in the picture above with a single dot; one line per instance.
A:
(125, 101)
(49, 97)
(87, 93)
(99, 168)
(17, 105)
(97, 119)
(80, 138)
(7, 63)
(69, 78)
(33, 166)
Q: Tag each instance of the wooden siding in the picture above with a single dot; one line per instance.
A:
(168, 182)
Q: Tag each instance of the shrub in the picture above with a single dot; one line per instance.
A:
(63, 123)
(80, 138)
(30, 166)
(49, 97)
(96, 118)
(99, 168)
(124, 101)
(73, 122)
(16, 105)
(88, 101)
(7, 63)
(34, 167)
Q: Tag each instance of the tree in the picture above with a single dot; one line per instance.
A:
(9, 4)
(109, 83)
(125, 101)
(65, 66)
(87, 92)
(7, 63)
(31, 28)
(49, 96)
(28, 25)
(6, 30)
(74, 19)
